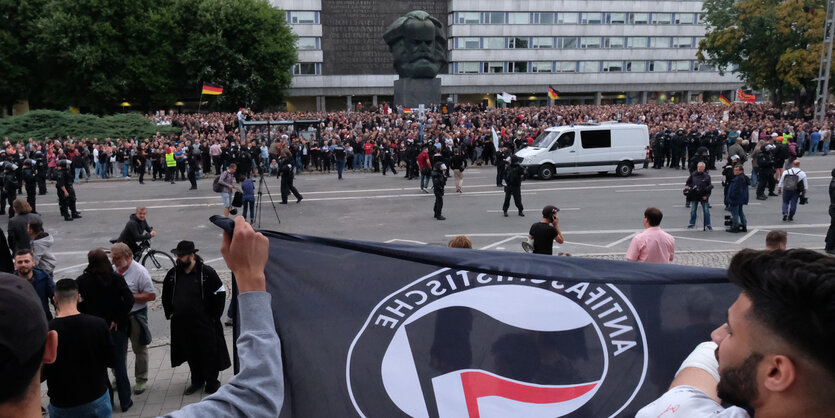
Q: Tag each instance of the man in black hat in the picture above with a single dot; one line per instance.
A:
(193, 298)
(545, 232)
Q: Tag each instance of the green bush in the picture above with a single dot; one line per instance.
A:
(42, 124)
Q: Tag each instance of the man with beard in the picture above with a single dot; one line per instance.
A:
(193, 298)
(773, 357)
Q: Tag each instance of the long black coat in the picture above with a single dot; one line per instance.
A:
(203, 330)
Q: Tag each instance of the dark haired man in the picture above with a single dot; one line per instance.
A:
(771, 358)
(653, 245)
(24, 264)
(545, 232)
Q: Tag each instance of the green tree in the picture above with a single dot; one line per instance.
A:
(15, 66)
(772, 44)
(243, 45)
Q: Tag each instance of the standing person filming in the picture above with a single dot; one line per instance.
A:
(545, 232)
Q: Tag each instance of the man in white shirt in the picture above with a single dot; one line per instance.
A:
(793, 185)
(139, 283)
(773, 358)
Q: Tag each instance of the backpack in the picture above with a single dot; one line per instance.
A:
(216, 186)
(791, 181)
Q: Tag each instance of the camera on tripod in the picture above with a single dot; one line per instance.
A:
(728, 221)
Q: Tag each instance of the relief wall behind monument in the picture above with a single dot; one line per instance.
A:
(352, 33)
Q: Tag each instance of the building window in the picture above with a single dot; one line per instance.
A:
(307, 68)
(685, 18)
(639, 18)
(518, 66)
(467, 18)
(566, 66)
(519, 43)
(589, 66)
(540, 42)
(542, 66)
(495, 43)
(568, 18)
(616, 43)
(636, 66)
(662, 18)
(303, 18)
(571, 42)
(589, 42)
(493, 18)
(658, 66)
(704, 68)
(638, 42)
(308, 43)
(519, 18)
(543, 18)
(682, 42)
(617, 18)
(494, 67)
(680, 66)
(592, 18)
(659, 42)
(467, 43)
(468, 67)
(612, 66)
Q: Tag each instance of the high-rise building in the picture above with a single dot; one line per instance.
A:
(591, 52)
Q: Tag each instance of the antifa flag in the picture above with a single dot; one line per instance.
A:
(385, 330)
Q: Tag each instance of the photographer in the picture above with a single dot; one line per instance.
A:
(793, 186)
(697, 189)
(545, 232)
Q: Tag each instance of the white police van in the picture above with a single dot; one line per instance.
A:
(587, 148)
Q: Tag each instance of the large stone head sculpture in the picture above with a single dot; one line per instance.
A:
(418, 45)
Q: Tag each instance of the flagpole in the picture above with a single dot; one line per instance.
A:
(200, 103)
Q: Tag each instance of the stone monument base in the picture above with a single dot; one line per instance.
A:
(411, 92)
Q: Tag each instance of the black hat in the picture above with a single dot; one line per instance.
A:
(23, 325)
(184, 248)
(549, 211)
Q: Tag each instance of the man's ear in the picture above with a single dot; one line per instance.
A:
(779, 373)
(51, 351)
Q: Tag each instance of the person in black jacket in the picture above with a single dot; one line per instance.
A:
(139, 162)
(698, 190)
(136, 231)
(286, 171)
(513, 180)
(459, 163)
(105, 294)
(830, 234)
(193, 298)
(10, 185)
(438, 183)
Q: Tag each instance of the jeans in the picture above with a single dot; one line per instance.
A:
(298, 164)
(694, 215)
(124, 169)
(754, 177)
(424, 181)
(825, 148)
(249, 202)
(81, 171)
(99, 408)
(367, 164)
(120, 369)
(813, 148)
(738, 217)
(340, 165)
(358, 161)
(98, 168)
(790, 198)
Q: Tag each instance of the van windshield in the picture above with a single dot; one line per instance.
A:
(544, 139)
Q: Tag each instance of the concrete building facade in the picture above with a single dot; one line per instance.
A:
(591, 52)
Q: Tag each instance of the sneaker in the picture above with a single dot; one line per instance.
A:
(527, 247)
(139, 388)
(732, 230)
(772, 194)
(440, 218)
(691, 226)
(425, 191)
(791, 218)
(761, 198)
(708, 228)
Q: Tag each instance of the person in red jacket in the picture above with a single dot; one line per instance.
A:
(425, 168)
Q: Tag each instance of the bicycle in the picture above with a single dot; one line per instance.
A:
(155, 261)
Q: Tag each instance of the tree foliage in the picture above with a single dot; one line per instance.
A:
(94, 54)
(775, 45)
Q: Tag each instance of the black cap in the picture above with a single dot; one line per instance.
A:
(23, 325)
(549, 211)
(184, 248)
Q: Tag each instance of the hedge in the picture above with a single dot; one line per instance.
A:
(42, 124)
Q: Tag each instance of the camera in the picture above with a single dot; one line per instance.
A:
(803, 200)
(728, 221)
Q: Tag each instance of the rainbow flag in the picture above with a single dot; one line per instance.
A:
(724, 100)
(212, 89)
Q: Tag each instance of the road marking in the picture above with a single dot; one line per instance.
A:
(629, 231)
(647, 191)
(621, 240)
(500, 211)
(404, 240)
(748, 235)
(502, 242)
(68, 268)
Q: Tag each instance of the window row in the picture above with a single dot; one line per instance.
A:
(308, 43)
(574, 42)
(574, 18)
(496, 67)
(298, 17)
(307, 68)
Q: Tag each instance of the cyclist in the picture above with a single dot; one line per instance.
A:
(136, 231)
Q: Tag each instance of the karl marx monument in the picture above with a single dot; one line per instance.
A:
(418, 45)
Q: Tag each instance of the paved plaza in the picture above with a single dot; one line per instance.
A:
(599, 215)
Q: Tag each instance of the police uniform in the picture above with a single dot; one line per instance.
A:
(66, 202)
(41, 172)
(438, 183)
(513, 178)
(10, 185)
(30, 177)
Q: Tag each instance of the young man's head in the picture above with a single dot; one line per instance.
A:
(35, 228)
(233, 167)
(775, 351)
(66, 294)
(652, 217)
(776, 240)
(141, 213)
(24, 262)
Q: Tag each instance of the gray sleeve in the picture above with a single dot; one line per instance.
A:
(258, 389)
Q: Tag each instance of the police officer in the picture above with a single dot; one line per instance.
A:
(40, 165)
(513, 178)
(438, 183)
(501, 165)
(66, 193)
(668, 148)
(192, 160)
(692, 146)
(679, 149)
(10, 186)
(412, 151)
(386, 158)
(658, 150)
(30, 177)
(765, 165)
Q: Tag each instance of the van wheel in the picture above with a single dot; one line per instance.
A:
(546, 172)
(624, 169)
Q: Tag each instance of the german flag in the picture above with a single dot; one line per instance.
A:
(553, 94)
(724, 100)
(212, 89)
(407, 110)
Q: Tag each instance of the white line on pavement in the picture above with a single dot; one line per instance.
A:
(502, 242)
(748, 235)
(629, 231)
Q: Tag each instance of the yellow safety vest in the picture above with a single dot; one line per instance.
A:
(169, 160)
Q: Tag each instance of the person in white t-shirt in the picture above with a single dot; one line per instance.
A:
(773, 358)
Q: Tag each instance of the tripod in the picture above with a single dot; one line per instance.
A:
(262, 183)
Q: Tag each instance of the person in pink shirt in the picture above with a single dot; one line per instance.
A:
(653, 245)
